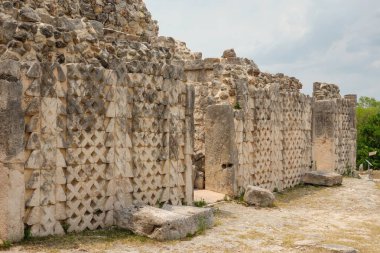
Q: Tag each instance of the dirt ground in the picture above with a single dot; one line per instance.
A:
(303, 218)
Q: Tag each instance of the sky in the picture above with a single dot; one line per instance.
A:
(333, 41)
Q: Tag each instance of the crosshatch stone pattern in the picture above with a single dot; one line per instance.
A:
(273, 121)
(97, 143)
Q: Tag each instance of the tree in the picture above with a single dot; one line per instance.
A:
(368, 126)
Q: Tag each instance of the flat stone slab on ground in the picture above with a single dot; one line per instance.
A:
(208, 196)
(338, 248)
(322, 178)
(169, 223)
(202, 217)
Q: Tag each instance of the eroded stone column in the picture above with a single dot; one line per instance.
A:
(323, 135)
(221, 150)
(12, 187)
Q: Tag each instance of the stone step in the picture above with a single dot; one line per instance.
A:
(168, 223)
(321, 178)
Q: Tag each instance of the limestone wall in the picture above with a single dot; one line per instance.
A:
(272, 120)
(98, 113)
(96, 117)
(216, 81)
(334, 129)
(12, 189)
(274, 140)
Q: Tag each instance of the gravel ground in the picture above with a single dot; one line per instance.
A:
(303, 219)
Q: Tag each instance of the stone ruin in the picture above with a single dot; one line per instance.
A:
(334, 129)
(98, 113)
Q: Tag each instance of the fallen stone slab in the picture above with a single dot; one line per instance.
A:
(168, 223)
(338, 248)
(202, 217)
(321, 178)
(258, 196)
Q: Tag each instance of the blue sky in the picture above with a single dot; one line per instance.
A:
(335, 41)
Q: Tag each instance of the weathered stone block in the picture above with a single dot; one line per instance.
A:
(333, 248)
(12, 202)
(169, 223)
(221, 152)
(258, 196)
(322, 178)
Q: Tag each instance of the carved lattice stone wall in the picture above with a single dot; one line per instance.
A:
(95, 117)
(272, 121)
(98, 142)
(275, 139)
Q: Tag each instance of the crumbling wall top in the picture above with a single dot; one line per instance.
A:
(325, 91)
(178, 49)
(286, 83)
(128, 16)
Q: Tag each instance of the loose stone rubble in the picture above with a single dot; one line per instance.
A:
(259, 197)
(98, 114)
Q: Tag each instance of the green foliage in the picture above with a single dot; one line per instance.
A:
(368, 125)
(6, 245)
(237, 106)
(367, 102)
(200, 203)
(240, 198)
(27, 232)
(202, 226)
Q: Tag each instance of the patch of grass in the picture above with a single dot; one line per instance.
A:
(253, 235)
(202, 226)
(99, 239)
(200, 203)
(289, 240)
(298, 192)
(366, 241)
(27, 233)
(237, 106)
(240, 199)
(218, 222)
(5, 246)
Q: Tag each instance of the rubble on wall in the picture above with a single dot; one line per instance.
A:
(178, 49)
(324, 91)
(286, 83)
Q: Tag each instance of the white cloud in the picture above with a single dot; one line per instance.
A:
(376, 64)
(326, 40)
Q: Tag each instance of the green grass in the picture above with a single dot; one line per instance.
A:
(6, 245)
(99, 239)
(296, 193)
(200, 203)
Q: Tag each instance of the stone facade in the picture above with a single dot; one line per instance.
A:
(272, 122)
(95, 116)
(276, 141)
(334, 124)
(99, 113)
